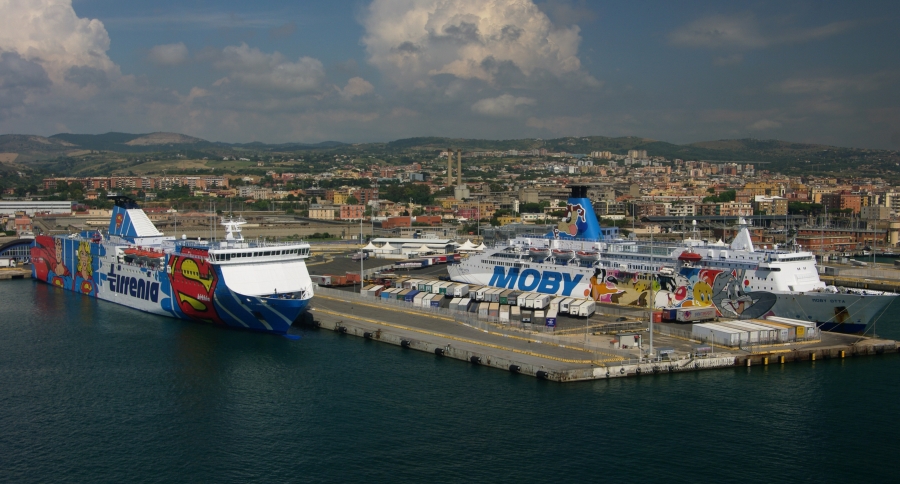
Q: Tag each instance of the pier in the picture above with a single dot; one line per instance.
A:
(8, 273)
(566, 356)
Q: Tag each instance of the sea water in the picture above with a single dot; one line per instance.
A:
(95, 392)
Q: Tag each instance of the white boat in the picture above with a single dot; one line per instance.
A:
(740, 280)
(233, 283)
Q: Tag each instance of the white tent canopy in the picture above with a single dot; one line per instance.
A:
(371, 247)
(425, 248)
(386, 248)
(481, 247)
(467, 246)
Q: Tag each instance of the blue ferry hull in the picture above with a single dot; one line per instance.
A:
(181, 286)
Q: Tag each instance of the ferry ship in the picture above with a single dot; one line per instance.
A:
(231, 283)
(579, 259)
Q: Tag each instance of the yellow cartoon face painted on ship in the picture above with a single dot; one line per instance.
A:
(702, 294)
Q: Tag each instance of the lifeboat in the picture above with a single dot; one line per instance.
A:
(563, 253)
(539, 252)
(590, 255)
(689, 256)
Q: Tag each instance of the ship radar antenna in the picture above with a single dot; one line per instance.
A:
(233, 228)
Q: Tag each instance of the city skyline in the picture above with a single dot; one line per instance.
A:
(362, 71)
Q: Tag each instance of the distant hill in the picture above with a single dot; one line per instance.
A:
(127, 142)
(31, 147)
(785, 156)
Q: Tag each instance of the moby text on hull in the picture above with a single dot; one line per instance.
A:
(579, 259)
(232, 283)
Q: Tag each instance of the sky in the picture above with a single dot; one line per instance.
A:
(380, 70)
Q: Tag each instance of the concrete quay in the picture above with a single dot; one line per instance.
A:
(561, 358)
(9, 273)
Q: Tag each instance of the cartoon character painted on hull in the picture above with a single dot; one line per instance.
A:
(694, 287)
(733, 301)
(83, 280)
(48, 259)
(605, 286)
(193, 287)
(575, 215)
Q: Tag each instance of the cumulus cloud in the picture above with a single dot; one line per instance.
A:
(255, 69)
(501, 106)
(169, 54)
(412, 42)
(356, 86)
(745, 31)
(50, 33)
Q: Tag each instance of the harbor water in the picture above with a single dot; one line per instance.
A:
(95, 392)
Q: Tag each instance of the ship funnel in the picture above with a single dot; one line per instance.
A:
(580, 221)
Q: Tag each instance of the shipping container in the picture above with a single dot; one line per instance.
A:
(504, 296)
(717, 334)
(454, 302)
(512, 298)
(785, 333)
(436, 301)
(493, 295)
(402, 294)
(540, 301)
(320, 280)
(694, 314)
(504, 314)
(551, 318)
(802, 329)
(515, 314)
(587, 308)
(657, 316)
(483, 308)
(538, 318)
(494, 310)
(573, 306)
(750, 336)
(554, 303)
(410, 296)
(417, 301)
(766, 334)
(463, 304)
(353, 277)
(527, 302)
(479, 295)
(460, 290)
(564, 305)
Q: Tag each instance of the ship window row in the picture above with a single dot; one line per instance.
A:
(262, 253)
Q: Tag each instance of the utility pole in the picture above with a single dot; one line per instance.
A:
(360, 256)
(652, 299)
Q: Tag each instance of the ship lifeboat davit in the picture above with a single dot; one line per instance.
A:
(590, 255)
(689, 256)
(539, 252)
(563, 253)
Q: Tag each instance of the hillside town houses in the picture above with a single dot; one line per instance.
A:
(529, 187)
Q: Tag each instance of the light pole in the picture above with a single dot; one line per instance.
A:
(652, 299)
(360, 255)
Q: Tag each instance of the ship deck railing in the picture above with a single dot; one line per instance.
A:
(251, 244)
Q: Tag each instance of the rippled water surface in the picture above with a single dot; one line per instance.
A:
(94, 392)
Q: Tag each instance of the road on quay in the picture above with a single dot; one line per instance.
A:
(429, 326)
